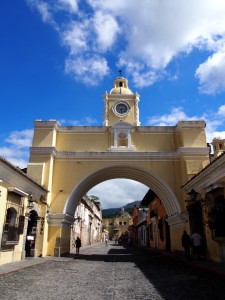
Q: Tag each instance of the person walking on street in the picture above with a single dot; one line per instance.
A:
(186, 244)
(197, 243)
(78, 245)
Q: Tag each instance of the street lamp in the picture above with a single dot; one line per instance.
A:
(192, 196)
(207, 202)
(30, 202)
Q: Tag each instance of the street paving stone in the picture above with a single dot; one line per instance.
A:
(111, 272)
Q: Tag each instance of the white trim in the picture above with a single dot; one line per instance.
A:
(17, 191)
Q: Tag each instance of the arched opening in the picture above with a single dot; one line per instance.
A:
(146, 177)
(31, 234)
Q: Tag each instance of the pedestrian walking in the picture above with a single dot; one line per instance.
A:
(186, 244)
(78, 245)
(197, 243)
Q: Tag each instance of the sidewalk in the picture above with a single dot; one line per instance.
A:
(28, 262)
(203, 264)
(32, 261)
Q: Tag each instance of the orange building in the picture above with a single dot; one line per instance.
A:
(158, 234)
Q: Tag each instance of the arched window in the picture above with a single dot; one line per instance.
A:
(11, 215)
(14, 221)
(10, 227)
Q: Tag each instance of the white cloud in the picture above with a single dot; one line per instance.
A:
(75, 37)
(20, 139)
(124, 191)
(211, 74)
(87, 121)
(71, 5)
(213, 121)
(17, 150)
(14, 155)
(221, 110)
(87, 69)
(106, 29)
(149, 34)
(171, 119)
(44, 10)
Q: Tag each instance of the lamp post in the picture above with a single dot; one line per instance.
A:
(192, 196)
(30, 202)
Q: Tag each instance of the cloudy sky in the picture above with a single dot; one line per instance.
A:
(58, 57)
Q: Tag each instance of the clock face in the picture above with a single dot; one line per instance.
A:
(121, 108)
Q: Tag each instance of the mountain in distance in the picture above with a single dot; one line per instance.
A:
(111, 212)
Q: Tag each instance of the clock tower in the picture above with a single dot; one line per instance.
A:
(121, 104)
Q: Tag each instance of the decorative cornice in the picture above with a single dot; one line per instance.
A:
(60, 220)
(157, 129)
(177, 221)
(82, 129)
(128, 153)
(48, 124)
(44, 151)
(193, 151)
(191, 124)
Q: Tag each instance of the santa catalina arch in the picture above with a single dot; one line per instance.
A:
(70, 160)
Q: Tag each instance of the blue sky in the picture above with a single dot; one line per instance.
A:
(57, 58)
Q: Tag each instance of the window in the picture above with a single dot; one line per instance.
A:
(217, 217)
(14, 221)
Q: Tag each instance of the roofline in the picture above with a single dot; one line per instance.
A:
(19, 171)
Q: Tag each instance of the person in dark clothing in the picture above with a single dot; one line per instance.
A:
(78, 245)
(186, 244)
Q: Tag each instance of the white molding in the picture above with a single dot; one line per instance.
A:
(60, 220)
(119, 152)
(177, 221)
(18, 191)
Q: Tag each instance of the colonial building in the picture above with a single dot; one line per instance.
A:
(22, 214)
(70, 160)
(117, 226)
(141, 236)
(88, 222)
(158, 231)
(206, 204)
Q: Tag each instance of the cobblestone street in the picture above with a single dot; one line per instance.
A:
(111, 272)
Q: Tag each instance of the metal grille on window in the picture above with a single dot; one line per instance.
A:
(14, 221)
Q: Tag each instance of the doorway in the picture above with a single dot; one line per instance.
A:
(31, 234)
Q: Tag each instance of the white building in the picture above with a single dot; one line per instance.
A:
(88, 222)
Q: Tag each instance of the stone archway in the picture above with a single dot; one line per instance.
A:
(63, 221)
(146, 177)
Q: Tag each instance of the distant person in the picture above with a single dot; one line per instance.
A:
(78, 245)
(197, 243)
(186, 244)
(106, 241)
